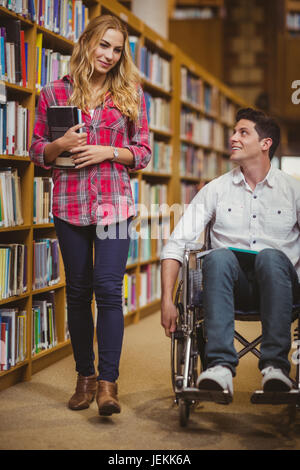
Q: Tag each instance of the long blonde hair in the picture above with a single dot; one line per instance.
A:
(121, 81)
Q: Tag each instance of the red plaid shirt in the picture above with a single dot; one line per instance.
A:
(97, 194)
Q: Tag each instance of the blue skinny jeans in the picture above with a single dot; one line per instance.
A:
(270, 286)
(102, 275)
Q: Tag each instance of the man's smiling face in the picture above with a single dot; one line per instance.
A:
(244, 142)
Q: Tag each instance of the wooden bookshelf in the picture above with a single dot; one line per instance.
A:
(162, 180)
(29, 232)
(201, 40)
(199, 3)
(203, 103)
(286, 61)
(161, 95)
(290, 59)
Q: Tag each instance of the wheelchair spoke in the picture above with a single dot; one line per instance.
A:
(187, 362)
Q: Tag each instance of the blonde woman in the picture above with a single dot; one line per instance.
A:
(92, 203)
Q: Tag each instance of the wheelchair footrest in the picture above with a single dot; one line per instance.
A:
(260, 397)
(222, 398)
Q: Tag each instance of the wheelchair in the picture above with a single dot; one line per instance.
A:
(188, 344)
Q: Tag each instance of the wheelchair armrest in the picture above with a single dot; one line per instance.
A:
(195, 246)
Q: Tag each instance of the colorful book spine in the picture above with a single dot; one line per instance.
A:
(152, 66)
(44, 322)
(10, 197)
(67, 18)
(191, 161)
(150, 289)
(13, 335)
(46, 263)
(129, 293)
(42, 200)
(161, 156)
(39, 45)
(158, 113)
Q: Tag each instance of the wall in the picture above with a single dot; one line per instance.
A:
(201, 40)
(246, 54)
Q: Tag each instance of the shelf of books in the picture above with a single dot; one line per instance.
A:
(197, 9)
(156, 63)
(36, 40)
(207, 112)
(153, 56)
(190, 115)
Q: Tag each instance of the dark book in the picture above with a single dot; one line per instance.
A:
(246, 258)
(55, 261)
(23, 59)
(31, 10)
(13, 35)
(25, 269)
(51, 311)
(8, 343)
(3, 53)
(20, 269)
(60, 119)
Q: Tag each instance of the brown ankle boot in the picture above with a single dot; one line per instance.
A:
(107, 398)
(84, 393)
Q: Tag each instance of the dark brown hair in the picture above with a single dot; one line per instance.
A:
(265, 126)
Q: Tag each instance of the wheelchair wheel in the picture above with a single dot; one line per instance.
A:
(184, 412)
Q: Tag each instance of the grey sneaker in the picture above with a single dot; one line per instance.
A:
(274, 380)
(216, 378)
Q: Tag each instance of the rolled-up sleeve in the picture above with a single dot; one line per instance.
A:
(40, 137)
(139, 137)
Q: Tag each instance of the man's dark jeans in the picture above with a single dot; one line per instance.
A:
(271, 287)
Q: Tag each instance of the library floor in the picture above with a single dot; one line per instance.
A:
(34, 415)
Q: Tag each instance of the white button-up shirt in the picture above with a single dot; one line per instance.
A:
(266, 217)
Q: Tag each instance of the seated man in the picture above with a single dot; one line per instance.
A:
(254, 207)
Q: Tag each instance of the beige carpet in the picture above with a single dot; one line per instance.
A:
(34, 415)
